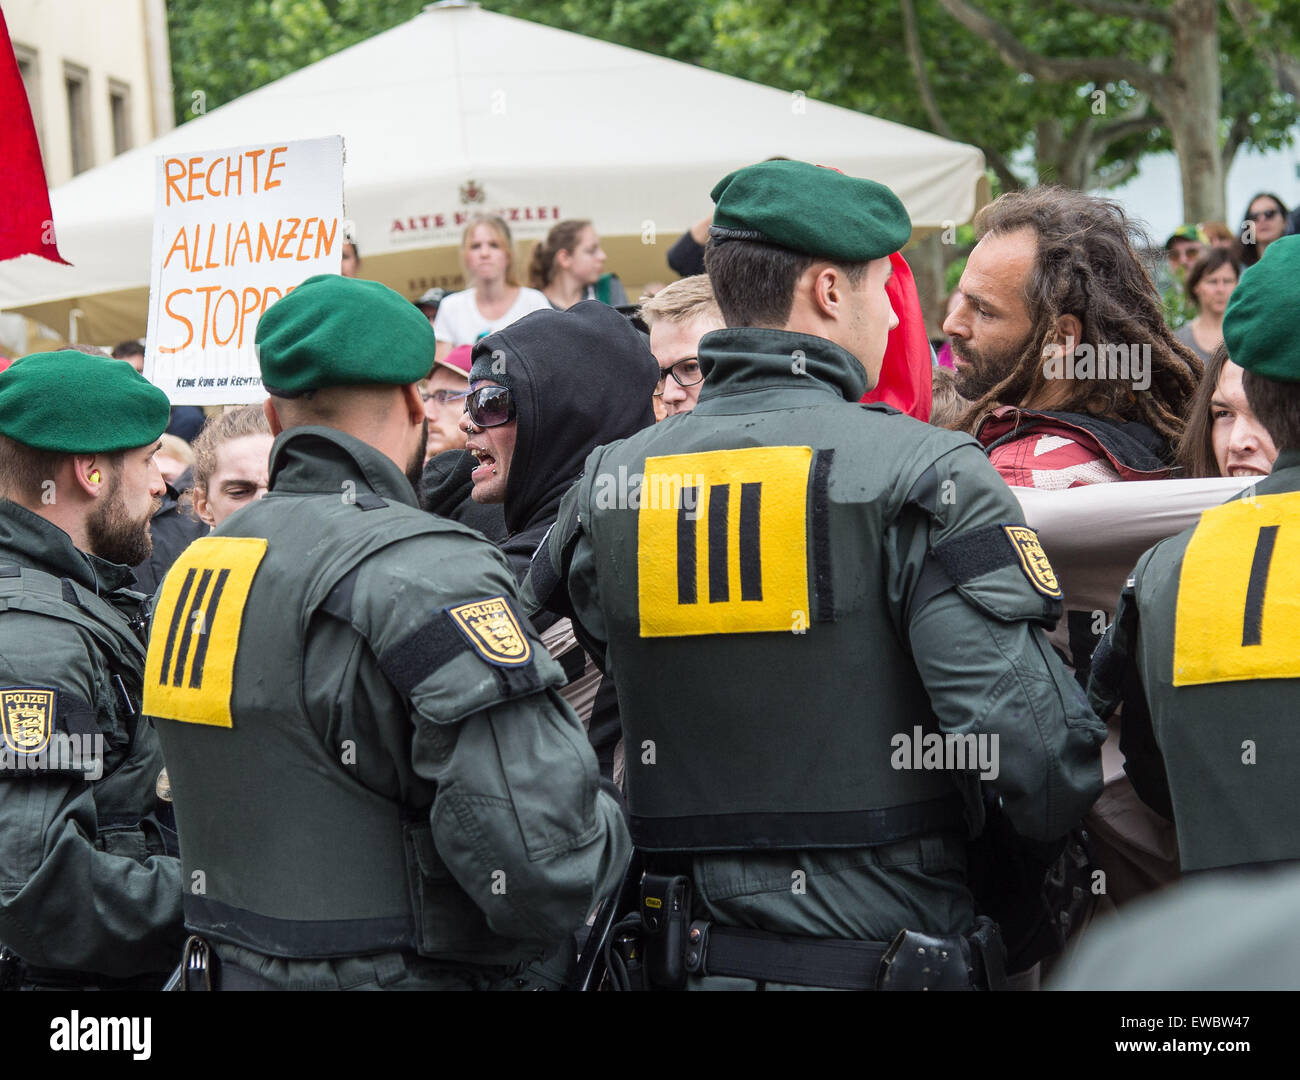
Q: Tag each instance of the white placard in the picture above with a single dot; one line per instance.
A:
(234, 230)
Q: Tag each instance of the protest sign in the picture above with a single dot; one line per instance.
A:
(234, 230)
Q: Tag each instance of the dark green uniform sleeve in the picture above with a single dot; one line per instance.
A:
(1115, 682)
(562, 578)
(64, 902)
(519, 817)
(972, 600)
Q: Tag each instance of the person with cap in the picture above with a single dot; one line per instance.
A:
(443, 394)
(335, 657)
(1185, 245)
(446, 486)
(90, 886)
(428, 302)
(831, 589)
(1204, 652)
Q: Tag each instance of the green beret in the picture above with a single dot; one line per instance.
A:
(74, 403)
(810, 209)
(1257, 327)
(338, 331)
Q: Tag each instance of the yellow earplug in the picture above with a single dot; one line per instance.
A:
(94, 477)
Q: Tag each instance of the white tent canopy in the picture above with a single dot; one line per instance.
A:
(461, 110)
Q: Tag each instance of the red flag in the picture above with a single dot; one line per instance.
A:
(26, 223)
(905, 377)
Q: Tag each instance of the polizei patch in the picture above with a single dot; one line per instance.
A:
(1033, 560)
(491, 628)
(27, 717)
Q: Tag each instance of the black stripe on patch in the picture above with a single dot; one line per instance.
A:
(178, 613)
(1252, 624)
(823, 585)
(183, 652)
(686, 546)
(719, 507)
(209, 618)
(751, 556)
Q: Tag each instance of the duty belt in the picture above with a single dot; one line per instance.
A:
(911, 961)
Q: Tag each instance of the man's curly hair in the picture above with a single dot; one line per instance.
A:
(1086, 267)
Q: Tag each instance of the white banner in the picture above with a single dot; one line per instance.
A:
(234, 230)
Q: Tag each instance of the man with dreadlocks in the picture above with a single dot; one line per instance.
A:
(1074, 378)
(1059, 345)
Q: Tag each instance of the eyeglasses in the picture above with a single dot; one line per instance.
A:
(685, 373)
(442, 397)
(490, 406)
(1264, 215)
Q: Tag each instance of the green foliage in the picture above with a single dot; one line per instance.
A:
(1173, 300)
(852, 55)
(221, 51)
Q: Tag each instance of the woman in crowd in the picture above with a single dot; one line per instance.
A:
(1209, 285)
(493, 299)
(1223, 437)
(568, 267)
(1265, 221)
(231, 463)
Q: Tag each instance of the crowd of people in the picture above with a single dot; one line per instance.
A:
(513, 603)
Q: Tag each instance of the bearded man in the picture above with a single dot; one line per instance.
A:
(1073, 378)
(90, 889)
(1060, 347)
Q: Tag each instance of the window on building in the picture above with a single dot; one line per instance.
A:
(76, 80)
(119, 105)
(31, 76)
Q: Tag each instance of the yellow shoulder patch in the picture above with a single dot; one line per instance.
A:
(27, 717)
(1033, 560)
(493, 631)
(1237, 614)
(190, 669)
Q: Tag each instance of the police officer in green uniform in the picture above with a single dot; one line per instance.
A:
(89, 896)
(809, 607)
(376, 784)
(1204, 652)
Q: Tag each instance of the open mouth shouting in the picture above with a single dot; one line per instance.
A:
(487, 464)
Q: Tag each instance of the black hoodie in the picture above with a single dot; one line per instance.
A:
(580, 378)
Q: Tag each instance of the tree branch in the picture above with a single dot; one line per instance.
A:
(999, 164)
(1052, 68)
(1236, 136)
(1117, 175)
(912, 41)
(1121, 129)
(1141, 12)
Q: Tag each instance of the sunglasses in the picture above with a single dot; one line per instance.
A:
(490, 406)
(1264, 215)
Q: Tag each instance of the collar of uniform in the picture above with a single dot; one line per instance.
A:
(29, 540)
(740, 359)
(314, 459)
(1287, 459)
